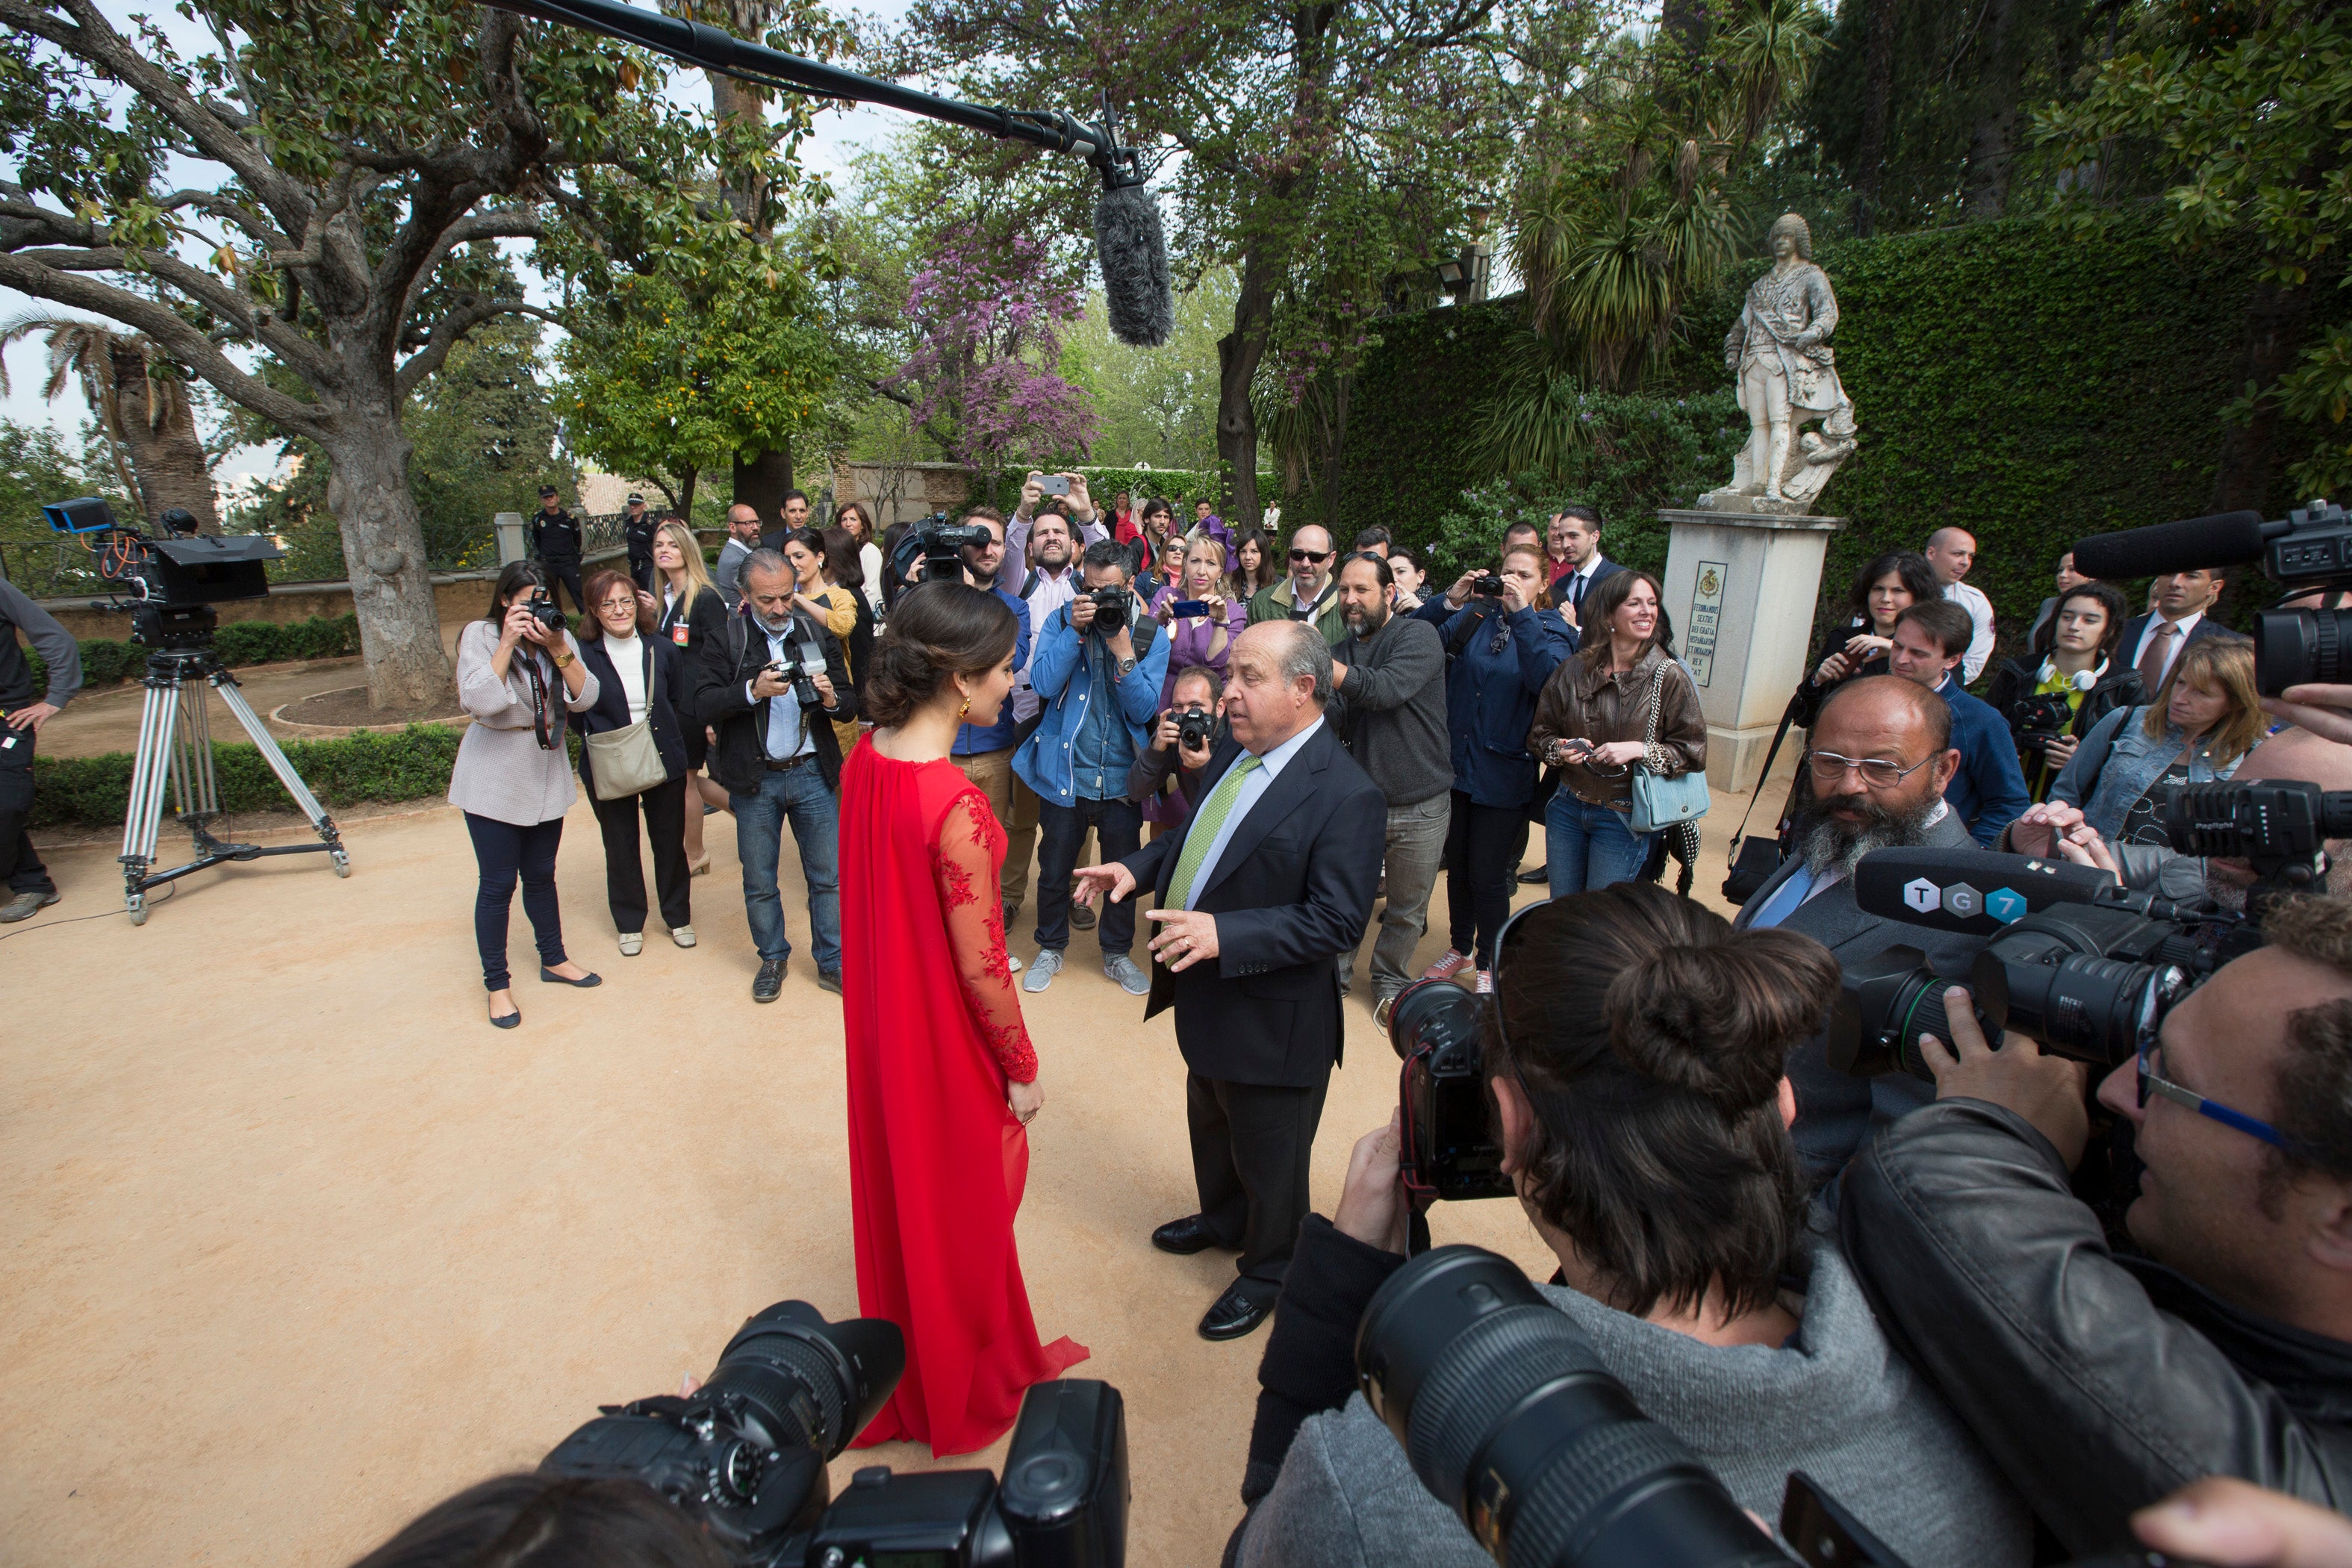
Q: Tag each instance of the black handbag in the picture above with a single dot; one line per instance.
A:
(1755, 857)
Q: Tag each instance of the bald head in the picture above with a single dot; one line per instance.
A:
(743, 522)
(1884, 704)
(1951, 552)
(1279, 679)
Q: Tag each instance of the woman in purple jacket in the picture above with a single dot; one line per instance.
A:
(1199, 641)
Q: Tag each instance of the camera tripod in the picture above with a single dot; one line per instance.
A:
(176, 745)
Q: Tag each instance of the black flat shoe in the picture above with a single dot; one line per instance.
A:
(1183, 1236)
(1236, 1312)
(584, 982)
(1536, 878)
(506, 1021)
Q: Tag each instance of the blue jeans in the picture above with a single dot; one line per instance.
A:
(1588, 846)
(797, 795)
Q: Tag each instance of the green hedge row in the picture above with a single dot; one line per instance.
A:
(105, 661)
(2009, 377)
(411, 764)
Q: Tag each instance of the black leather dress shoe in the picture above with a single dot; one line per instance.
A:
(1241, 1309)
(1535, 876)
(769, 984)
(1183, 1236)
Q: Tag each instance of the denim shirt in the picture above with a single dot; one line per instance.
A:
(2134, 760)
(1101, 752)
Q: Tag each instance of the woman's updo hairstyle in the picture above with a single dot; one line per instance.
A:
(935, 630)
(1651, 1039)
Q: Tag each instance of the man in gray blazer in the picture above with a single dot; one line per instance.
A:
(1881, 756)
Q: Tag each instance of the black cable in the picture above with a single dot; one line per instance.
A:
(170, 892)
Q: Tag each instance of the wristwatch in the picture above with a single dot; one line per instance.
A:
(562, 659)
(1124, 665)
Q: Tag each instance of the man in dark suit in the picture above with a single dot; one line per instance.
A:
(2151, 644)
(1871, 728)
(1264, 885)
(1572, 542)
(764, 684)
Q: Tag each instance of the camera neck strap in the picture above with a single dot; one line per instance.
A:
(544, 725)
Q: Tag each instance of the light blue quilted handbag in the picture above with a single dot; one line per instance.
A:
(1660, 801)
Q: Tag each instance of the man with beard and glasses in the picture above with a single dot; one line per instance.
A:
(1881, 753)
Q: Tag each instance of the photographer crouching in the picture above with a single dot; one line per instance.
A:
(1167, 777)
(2100, 1383)
(1635, 1058)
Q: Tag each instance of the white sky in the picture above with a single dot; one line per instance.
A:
(839, 136)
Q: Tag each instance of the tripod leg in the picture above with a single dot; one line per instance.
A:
(225, 684)
(143, 819)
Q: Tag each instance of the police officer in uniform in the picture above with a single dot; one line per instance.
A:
(556, 542)
(23, 710)
(637, 533)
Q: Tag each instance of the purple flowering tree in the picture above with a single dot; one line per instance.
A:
(987, 314)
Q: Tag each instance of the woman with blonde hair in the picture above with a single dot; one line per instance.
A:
(2204, 719)
(1199, 641)
(689, 607)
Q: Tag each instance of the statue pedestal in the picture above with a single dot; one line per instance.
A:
(1742, 587)
(514, 543)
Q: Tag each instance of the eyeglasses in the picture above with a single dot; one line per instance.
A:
(1877, 773)
(2165, 1089)
(627, 603)
(1311, 555)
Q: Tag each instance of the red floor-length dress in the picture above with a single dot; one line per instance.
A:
(936, 1159)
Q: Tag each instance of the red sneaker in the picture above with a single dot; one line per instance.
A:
(1485, 983)
(1446, 968)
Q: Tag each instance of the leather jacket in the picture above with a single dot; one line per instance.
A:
(2099, 1383)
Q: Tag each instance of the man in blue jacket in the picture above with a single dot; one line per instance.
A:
(984, 753)
(1987, 792)
(1098, 671)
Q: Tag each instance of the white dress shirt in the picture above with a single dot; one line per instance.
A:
(1260, 780)
(1579, 582)
(2183, 626)
(1980, 609)
(787, 736)
(1054, 589)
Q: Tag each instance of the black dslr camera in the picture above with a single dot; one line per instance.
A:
(2038, 718)
(745, 1458)
(939, 546)
(545, 610)
(1489, 586)
(1438, 1031)
(1193, 730)
(1113, 606)
(1510, 1418)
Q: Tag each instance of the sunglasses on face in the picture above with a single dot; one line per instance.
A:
(1314, 555)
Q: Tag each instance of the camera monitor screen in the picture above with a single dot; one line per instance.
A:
(84, 514)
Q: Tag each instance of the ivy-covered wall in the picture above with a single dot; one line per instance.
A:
(2009, 378)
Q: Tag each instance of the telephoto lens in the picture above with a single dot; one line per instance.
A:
(2295, 647)
(1885, 1002)
(1510, 1420)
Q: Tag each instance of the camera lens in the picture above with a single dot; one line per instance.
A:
(811, 1381)
(1509, 1419)
(1434, 1014)
(2293, 647)
(2091, 1009)
(1885, 1002)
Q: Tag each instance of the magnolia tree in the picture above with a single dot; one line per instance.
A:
(988, 317)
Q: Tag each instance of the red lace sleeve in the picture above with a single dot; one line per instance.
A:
(964, 860)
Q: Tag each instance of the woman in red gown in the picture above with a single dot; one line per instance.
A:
(942, 1079)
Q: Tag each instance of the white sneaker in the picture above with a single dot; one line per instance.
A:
(1013, 961)
(632, 943)
(682, 935)
(1042, 970)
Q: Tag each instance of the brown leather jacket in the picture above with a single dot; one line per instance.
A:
(1582, 702)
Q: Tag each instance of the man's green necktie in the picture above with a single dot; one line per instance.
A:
(1207, 823)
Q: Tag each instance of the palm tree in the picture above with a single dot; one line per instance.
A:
(141, 403)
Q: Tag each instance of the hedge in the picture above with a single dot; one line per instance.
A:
(415, 763)
(105, 661)
(2009, 377)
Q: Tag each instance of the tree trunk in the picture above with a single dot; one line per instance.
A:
(1991, 150)
(1878, 90)
(686, 494)
(383, 556)
(2273, 337)
(1238, 353)
(760, 483)
(167, 456)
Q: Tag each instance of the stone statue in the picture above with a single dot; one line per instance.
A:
(1786, 373)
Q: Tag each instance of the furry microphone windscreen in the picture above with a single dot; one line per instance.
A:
(1134, 253)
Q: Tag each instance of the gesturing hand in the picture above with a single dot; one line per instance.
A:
(1373, 1204)
(1114, 879)
(1186, 937)
(2045, 1090)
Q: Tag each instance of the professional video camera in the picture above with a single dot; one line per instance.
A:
(1113, 606)
(745, 1456)
(939, 546)
(2038, 718)
(166, 582)
(2280, 826)
(1508, 1416)
(2308, 549)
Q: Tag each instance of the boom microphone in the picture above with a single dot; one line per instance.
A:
(1972, 891)
(1134, 255)
(2193, 544)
